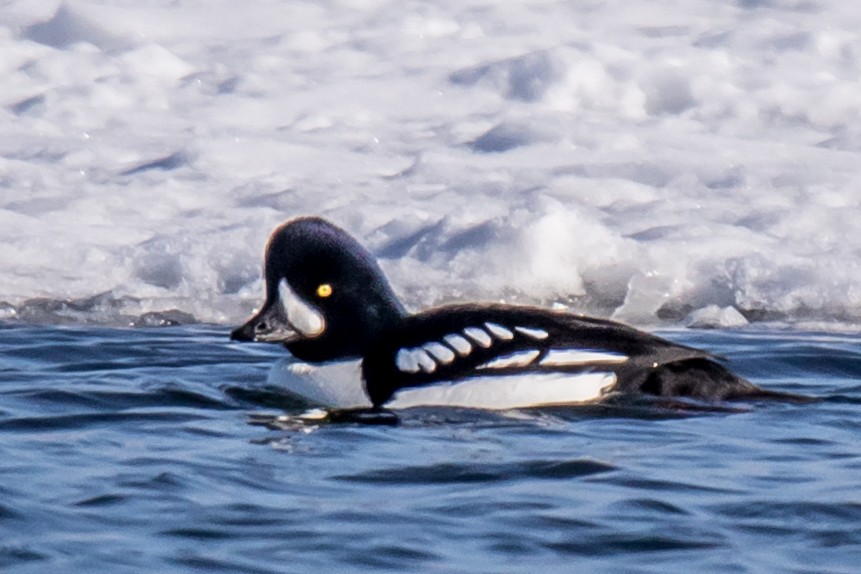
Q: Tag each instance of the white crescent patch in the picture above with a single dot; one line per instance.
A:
(301, 316)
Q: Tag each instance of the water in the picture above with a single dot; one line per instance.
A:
(143, 450)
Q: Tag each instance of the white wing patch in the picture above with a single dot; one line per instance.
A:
(440, 352)
(533, 333)
(415, 360)
(406, 361)
(480, 336)
(519, 359)
(431, 355)
(574, 357)
(499, 331)
(459, 344)
(425, 361)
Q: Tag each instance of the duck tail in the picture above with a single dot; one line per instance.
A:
(705, 379)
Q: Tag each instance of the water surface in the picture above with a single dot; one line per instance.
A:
(142, 450)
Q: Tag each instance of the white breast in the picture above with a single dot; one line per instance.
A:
(339, 385)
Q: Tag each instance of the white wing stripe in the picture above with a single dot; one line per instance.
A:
(430, 355)
(425, 361)
(499, 331)
(406, 361)
(480, 336)
(570, 357)
(440, 352)
(459, 344)
(519, 359)
(534, 333)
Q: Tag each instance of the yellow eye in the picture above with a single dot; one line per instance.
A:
(324, 290)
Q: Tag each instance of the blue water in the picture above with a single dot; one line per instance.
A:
(160, 450)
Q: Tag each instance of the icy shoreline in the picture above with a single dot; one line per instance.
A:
(675, 163)
(105, 310)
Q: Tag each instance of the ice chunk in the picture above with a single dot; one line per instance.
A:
(713, 317)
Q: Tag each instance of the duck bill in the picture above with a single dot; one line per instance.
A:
(270, 325)
(284, 319)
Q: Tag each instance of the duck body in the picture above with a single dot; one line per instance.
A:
(329, 303)
(490, 341)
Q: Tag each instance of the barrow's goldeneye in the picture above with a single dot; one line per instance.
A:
(329, 303)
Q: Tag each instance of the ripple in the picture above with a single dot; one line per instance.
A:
(652, 506)
(7, 513)
(612, 544)
(392, 557)
(198, 533)
(16, 555)
(96, 397)
(656, 485)
(209, 564)
(448, 473)
(806, 512)
(102, 500)
(80, 421)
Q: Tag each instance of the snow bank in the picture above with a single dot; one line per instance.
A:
(686, 161)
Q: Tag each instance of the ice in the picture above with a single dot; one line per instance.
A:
(713, 316)
(525, 77)
(67, 28)
(686, 163)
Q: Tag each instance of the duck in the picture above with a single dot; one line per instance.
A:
(354, 344)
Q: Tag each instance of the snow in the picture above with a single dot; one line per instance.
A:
(686, 162)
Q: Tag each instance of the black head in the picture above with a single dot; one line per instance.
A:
(326, 296)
